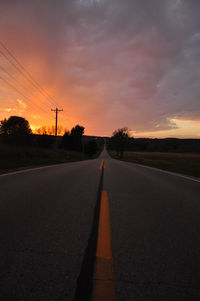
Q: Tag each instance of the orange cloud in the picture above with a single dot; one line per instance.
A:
(35, 116)
(22, 104)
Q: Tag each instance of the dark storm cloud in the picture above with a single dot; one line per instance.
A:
(132, 62)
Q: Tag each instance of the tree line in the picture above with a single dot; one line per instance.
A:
(16, 131)
(121, 141)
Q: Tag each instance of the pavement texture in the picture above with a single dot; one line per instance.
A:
(46, 217)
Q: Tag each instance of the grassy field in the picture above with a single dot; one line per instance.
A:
(184, 163)
(12, 158)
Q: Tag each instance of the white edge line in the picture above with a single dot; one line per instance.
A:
(164, 171)
(30, 169)
(170, 173)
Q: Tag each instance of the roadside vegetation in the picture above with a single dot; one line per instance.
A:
(20, 148)
(184, 163)
(20, 157)
(176, 155)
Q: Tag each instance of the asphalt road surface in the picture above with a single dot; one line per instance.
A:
(47, 216)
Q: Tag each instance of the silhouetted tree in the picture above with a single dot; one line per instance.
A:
(15, 125)
(16, 130)
(120, 140)
(65, 143)
(91, 148)
(76, 138)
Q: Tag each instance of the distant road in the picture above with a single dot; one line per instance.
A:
(47, 216)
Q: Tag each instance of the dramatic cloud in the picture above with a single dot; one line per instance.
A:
(108, 63)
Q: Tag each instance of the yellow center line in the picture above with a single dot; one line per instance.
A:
(104, 286)
(102, 164)
(104, 236)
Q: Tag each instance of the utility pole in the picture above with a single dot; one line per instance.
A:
(56, 110)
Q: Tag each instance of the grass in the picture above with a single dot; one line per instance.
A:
(12, 158)
(185, 163)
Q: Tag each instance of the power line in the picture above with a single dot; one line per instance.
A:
(19, 91)
(21, 69)
(18, 82)
(28, 75)
(22, 94)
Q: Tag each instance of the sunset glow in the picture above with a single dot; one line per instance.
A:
(107, 64)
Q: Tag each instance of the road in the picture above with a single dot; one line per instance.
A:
(47, 216)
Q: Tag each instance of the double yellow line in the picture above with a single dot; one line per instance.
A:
(104, 285)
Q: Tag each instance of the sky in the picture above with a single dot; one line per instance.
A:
(106, 63)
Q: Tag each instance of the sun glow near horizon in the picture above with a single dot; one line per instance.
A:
(184, 129)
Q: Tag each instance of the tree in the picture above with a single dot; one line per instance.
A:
(91, 147)
(65, 143)
(15, 129)
(49, 130)
(15, 125)
(119, 140)
(76, 138)
(42, 130)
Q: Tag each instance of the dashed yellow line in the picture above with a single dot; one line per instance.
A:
(104, 286)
